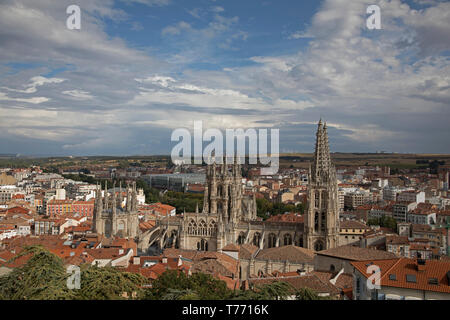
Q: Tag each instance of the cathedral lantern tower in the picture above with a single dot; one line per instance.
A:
(322, 217)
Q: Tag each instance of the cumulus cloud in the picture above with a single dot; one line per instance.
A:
(78, 94)
(35, 82)
(176, 29)
(385, 89)
(34, 100)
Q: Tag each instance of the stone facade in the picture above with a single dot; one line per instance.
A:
(111, 219)
(322, 217)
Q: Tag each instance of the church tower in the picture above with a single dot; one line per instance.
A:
(322, 217)
(223, 191)
(111, 217)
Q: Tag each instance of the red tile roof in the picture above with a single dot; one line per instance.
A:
(402, 266)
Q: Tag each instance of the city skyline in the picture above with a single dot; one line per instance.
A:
(138, 69)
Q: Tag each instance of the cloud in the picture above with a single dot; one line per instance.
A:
(36, 82)
(196, 12)
(217, 9)
(168, 91)
(34, 100)
(149, 3)
(176, 29)
(192, 44)
(78, 94)
(86, 92)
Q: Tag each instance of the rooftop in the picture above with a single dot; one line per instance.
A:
(431, 276)
(356, 253)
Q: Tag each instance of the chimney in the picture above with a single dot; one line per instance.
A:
(421, 264)
(180, 262)
(136, 260)
(164, 260)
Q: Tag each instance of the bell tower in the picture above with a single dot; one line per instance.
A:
(322, 217)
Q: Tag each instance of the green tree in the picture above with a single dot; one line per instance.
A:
(307, 294)
(162, 286)
(175, 285)
(43, 277)
(209, 288)
(384, 221)
(180, 294)
(263, 207)
(108, 283)
(277, 290)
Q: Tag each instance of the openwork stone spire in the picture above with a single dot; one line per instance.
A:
(322, 164)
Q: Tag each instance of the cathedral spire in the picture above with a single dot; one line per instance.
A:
(114, 200)
(134, 198)
(322, 217)
(128, 204)
(322, 153)
(106, 195)
(120, 194)
(99, 203)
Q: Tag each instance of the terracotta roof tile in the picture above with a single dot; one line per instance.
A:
(289, 253)
(356, 253)
(433, 269)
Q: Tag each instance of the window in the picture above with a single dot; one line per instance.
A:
(272, 240)
(323, 221)
(241, 238)
(256, 238)
(411, 278)
(433, 281)
(316, 221)
(287, 239)
(202, 228)
(393, 277)
(358, 285)
(212, 228)
(202, 245)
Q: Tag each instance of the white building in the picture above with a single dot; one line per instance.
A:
(412, 196)
(400, 211)
(7, 191)
(380, 183)
(422, 217)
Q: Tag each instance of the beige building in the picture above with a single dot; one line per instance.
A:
(7, 179)
(355, 199)
(285, 197)
(351, 231)
(398, 245)
(257, 263)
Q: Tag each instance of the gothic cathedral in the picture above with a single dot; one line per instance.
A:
(229, 216)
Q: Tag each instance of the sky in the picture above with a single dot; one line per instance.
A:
(139, 69)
